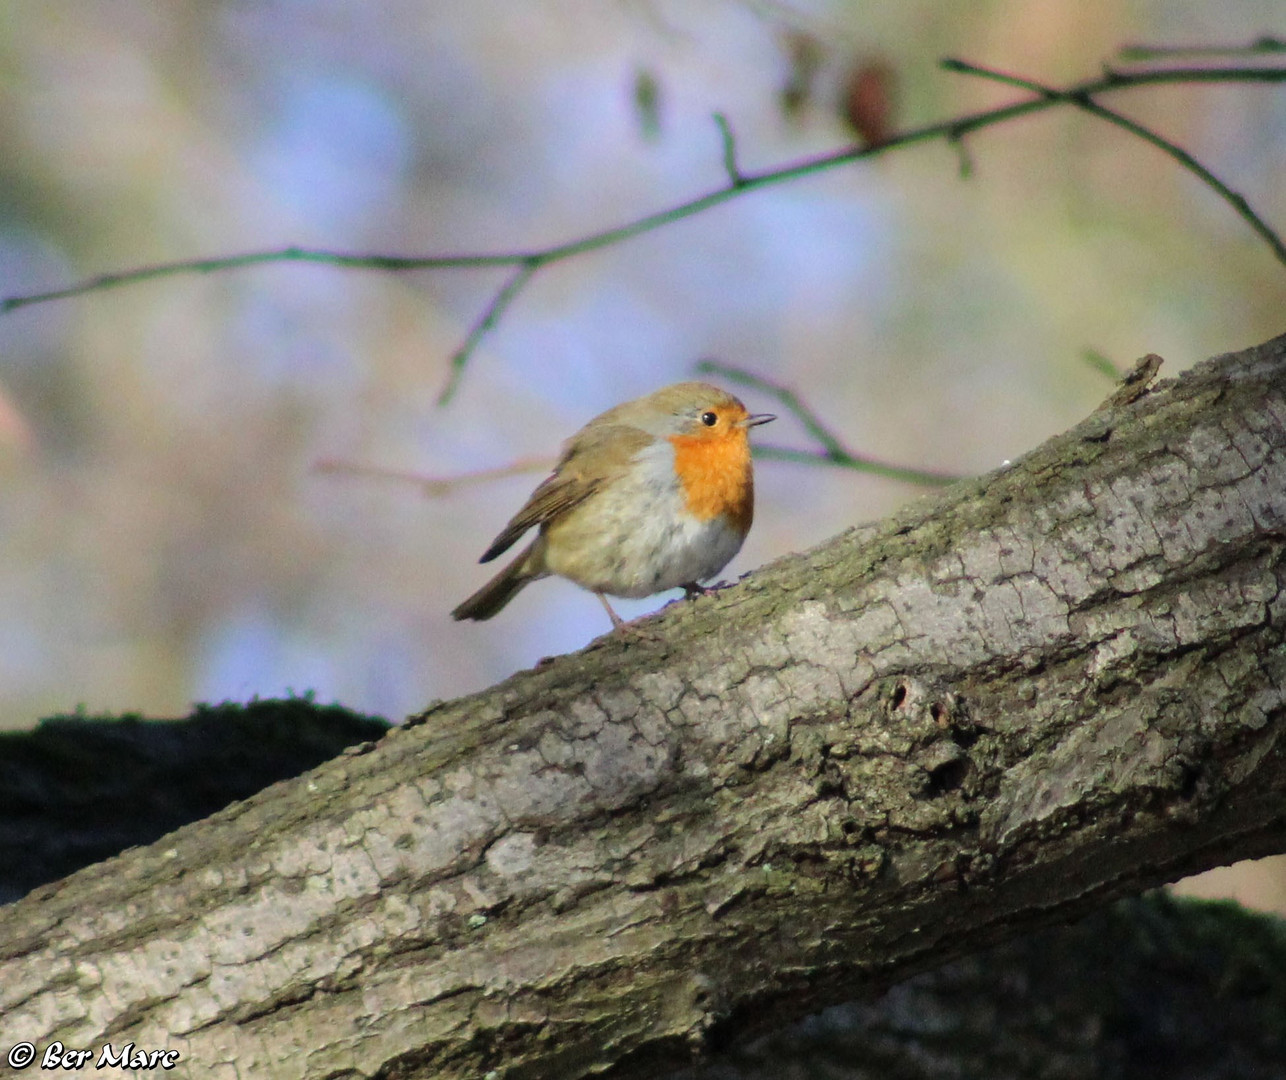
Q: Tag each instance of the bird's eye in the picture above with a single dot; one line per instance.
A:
(709, 419)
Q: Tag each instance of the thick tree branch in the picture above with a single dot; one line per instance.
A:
(1149, 987)
(1054, 685)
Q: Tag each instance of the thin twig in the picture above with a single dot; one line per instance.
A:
(1084, 100)
(1258, 47)
(1101, 364)
(833, 451)
(528, 263)
(485, 322)
(220, 263)
(434, 486)
(961, 148)
(729, 143)
(857, 463)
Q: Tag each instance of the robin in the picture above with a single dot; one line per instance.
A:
(653, 494)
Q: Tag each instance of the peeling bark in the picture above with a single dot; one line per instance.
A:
(1057, 684)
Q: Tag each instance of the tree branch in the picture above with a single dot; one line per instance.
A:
(833, 451)
(1150, 987)
(1040, 690)
(728, 141)
(528, 263)
(1084, 100)
(489, 317)
(1260, 46)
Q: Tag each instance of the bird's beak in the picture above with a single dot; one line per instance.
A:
(757, 419)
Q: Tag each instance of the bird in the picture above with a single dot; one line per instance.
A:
(653, 494)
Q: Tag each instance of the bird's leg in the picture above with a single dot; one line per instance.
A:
(617, 621)
(630, 631)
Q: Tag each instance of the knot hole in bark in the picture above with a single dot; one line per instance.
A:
(936, 719)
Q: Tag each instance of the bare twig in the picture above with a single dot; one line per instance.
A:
(219, 263)
(833, 451)
(961, 148)
(490, 314)
(1258, 47)
(434, 486)
(729, 143)
(1100, 363)
(527, 263)
(1083, 99)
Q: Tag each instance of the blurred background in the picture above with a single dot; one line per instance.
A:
(166, 535)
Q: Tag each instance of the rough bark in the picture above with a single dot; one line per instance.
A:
(1147, 988)
(1052, 686)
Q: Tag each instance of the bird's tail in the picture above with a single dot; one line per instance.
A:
(502, 588)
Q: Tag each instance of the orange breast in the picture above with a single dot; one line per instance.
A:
(715, 473)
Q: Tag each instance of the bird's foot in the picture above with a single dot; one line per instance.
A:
(692, 590)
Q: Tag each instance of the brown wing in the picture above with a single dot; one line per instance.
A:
(556, 495)
(592, 457)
